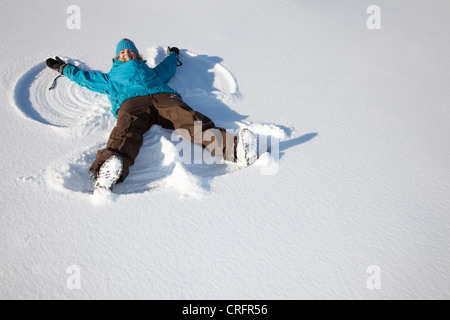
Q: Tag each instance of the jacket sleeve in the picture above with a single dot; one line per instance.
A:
(166, 69)
(95, 81)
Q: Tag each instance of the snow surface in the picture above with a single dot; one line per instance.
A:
(361, 179)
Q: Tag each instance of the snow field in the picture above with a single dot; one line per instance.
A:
(359, 117)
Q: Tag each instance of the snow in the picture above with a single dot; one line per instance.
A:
(353, 173)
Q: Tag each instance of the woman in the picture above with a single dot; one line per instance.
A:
(140, 98)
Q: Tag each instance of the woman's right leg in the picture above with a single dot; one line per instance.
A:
(135, 118)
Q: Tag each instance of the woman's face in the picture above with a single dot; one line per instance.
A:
(126, 55)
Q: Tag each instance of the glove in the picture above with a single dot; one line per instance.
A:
(56, 64)
(173, 49)
(177, 52)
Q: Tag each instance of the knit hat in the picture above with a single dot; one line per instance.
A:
(125, 44)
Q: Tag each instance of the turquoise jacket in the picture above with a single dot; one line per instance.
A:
(126, 80)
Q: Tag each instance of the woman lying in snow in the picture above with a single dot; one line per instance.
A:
(140, 98)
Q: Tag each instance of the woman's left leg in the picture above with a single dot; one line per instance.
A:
(174, 113)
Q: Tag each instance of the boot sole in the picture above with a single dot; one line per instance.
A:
(249, 147)
(109, 173)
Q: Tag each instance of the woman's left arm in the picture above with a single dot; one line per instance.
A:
(167, 68)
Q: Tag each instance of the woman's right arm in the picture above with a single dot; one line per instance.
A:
(95, 81)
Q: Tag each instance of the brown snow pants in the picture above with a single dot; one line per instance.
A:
(137, 115)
